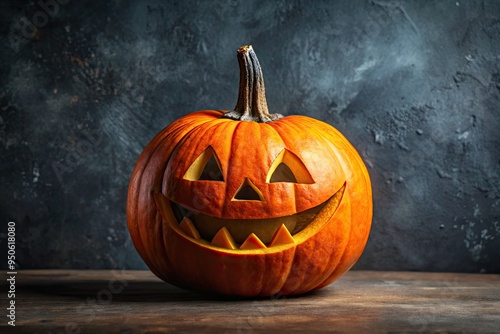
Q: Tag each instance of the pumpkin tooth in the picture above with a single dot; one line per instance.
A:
(252, 242)
(224, 239)
(187, 226)
(281, 237)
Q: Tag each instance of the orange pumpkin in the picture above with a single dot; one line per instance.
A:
(249, 203)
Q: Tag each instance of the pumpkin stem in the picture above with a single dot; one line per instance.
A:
(252, 104)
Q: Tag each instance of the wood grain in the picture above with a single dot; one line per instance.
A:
(71, 301)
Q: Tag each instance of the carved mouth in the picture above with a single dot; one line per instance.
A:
(246, 234)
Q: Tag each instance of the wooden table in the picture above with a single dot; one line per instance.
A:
(72, 301)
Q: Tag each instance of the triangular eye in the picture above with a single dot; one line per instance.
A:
(283, 173)
(287, 167)
(211, 171)
(205, 167)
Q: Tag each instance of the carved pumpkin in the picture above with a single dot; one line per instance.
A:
(249, 203)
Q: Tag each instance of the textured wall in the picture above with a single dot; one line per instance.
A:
(414, 85)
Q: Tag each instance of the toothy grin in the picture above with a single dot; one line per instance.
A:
(243, 234)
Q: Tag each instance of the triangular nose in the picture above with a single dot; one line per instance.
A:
(248, 192)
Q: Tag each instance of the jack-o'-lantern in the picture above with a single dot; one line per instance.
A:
(249, 203)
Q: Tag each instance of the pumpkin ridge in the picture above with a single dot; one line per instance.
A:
(157, 146)
(335, 268)
(306, 243)
(139, 182)
(342, 269)
(223, 209)
(289, 268)
(273, 127)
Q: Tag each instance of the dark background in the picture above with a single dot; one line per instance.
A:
(414, 85)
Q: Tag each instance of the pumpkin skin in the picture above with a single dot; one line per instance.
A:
(173, 212)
